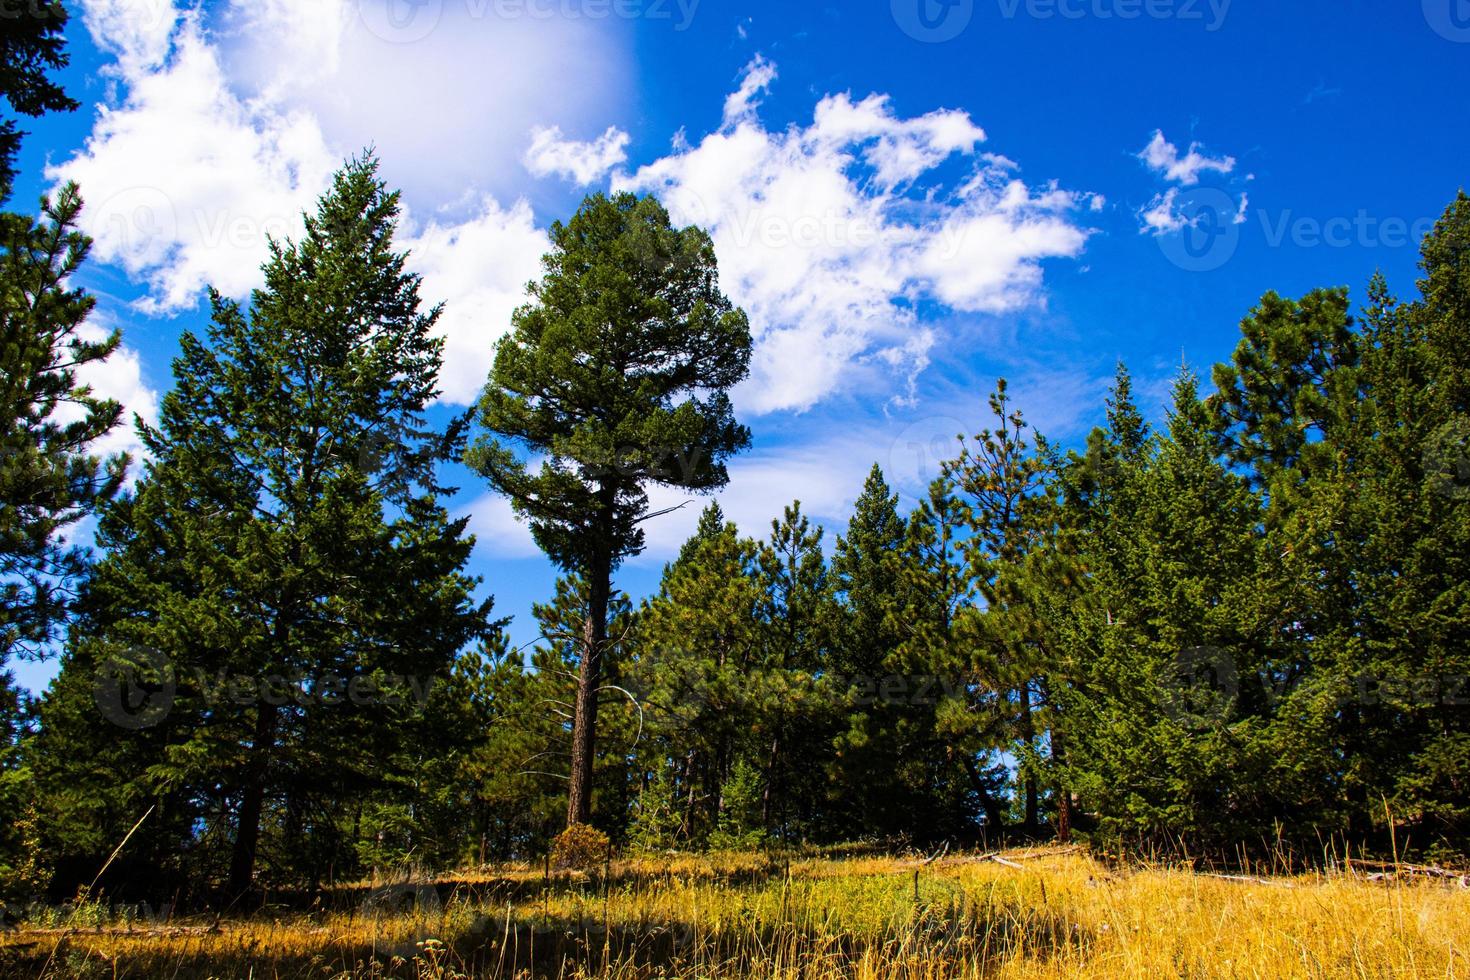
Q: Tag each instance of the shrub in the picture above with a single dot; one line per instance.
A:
(579, 846)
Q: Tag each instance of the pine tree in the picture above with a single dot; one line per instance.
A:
(616, 373)
(286, 538)
(865, 576)
(32, 46)
(1001, 478)
(867, 568)
(698, 664)
(49, 421)
(798, 617)
(946, 740)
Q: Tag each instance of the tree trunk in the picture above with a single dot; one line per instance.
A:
(589, 679)
(994, 818)
(252, 804)
(1028, 734)
(769, 795)
(1064, 795)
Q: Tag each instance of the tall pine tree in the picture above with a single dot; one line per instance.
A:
(616, 374)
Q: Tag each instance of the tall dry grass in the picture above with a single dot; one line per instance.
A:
(1040, 914)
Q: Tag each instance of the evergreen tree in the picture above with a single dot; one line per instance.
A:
(32, 46)
(798, 618)
(698, 664)
(286, 540)
(946, 739)
(867, 568)
(1001, 478)
(616, 373)
(49, 421)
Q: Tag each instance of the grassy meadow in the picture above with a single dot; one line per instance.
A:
(1043, 912)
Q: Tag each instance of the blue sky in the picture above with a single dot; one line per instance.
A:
(910, 198)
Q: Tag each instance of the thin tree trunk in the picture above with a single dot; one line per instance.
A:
(252, 804)
(1028, 734)
(994, 818)
(1064, 795)
(768, 797)
(589, 679)
(691, 796)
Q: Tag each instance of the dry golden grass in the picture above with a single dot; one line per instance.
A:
(1043, 914)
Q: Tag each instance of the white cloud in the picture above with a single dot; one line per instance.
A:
(1163, 158)
(119, 378)
(184, 180)
(826, 476)
(1169, 211)
(1160, 216)
(479, 269)
(136, 32)
(446, 91)
(754, 81)
(223, 135)
(498, 532)
(583, 163)
(828, 234)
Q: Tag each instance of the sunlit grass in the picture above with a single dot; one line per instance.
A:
(1057, 914)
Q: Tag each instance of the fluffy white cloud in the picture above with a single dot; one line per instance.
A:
(1160, 215)
(1163, 158)
(136, 32)
(828, 234)
(446, 91)
(184, 180)
(212, 144)
(119, 378)
(754, 81)
(1171, 210)
(583, 163)
(479, 269)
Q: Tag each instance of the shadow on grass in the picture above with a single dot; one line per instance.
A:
(938, 941)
